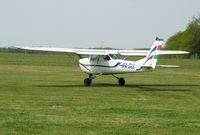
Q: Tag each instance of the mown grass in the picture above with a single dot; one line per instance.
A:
(44, 94)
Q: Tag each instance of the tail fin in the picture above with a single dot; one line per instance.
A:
(152, 56)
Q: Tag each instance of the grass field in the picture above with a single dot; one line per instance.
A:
(44, 95)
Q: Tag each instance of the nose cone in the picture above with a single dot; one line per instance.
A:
(84, 61)
(83, 65)
(81, 61)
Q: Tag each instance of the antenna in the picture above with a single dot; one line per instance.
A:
(102, 43)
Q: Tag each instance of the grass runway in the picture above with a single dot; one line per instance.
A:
(44, 95)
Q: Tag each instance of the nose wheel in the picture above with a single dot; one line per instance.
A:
(87, 81)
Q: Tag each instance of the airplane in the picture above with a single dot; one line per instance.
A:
(109, 62)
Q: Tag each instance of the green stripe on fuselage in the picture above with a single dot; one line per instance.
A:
(156, 57)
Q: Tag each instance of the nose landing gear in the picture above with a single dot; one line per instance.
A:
(88, 81)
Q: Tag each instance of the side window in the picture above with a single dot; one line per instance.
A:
(94, 58)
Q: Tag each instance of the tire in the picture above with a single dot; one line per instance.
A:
(121, 81)
(87, 81)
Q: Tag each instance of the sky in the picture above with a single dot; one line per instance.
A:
(122, 24)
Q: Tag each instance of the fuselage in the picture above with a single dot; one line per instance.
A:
(112, 66)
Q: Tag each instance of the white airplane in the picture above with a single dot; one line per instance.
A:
(109, 62)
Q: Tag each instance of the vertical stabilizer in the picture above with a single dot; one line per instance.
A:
(152, 56)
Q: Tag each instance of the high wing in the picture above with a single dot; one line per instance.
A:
(69, 50)
(98, 51)
(144, 52)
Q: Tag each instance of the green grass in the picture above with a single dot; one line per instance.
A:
(44, 95)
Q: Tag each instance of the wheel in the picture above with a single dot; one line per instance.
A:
(90, 80)
(87, 81)
(121, 81)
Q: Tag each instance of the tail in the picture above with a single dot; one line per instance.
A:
(152, 56)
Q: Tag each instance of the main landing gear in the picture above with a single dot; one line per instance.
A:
(88, 81)
(121, 81)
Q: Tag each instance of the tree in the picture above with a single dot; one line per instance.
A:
(188, 40)
(194, 39)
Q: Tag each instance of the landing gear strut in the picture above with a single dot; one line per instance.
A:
(88, 81)
(121, 81)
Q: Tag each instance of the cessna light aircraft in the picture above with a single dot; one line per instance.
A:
(109, 62)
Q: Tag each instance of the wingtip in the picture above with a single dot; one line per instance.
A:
(185, 52)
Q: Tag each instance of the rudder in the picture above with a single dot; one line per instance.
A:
(153, 54)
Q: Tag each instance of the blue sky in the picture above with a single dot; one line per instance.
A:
(124, 24)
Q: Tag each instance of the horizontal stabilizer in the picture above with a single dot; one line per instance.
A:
(146, 66)
(168, 66)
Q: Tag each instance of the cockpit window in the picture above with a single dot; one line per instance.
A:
(94, 57)
(106, 57)
(114, 56)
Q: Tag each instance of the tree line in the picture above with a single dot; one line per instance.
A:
(187, 40)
